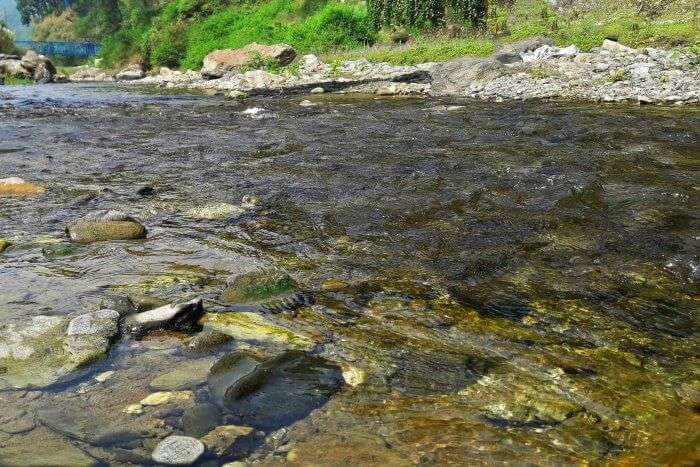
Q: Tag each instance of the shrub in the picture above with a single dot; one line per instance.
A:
(57, 27)
(7, 42)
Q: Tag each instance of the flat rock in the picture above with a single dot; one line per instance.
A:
(220, 62)
(86, 425)
(185, 375)
(200, 419)
(216, 211)
(167, 397)
(42, 448)
(255, 329)
(178, 450)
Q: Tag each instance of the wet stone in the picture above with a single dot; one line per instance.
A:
(180, 317)
(186, 375)
(200, 419)
(227, 440)
(178, 450)
(105, 226)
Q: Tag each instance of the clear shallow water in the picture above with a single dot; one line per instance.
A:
(518, 281)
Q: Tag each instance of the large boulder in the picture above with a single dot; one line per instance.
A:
(220, 62)
(130, 73)
(106, 225)
(32, 65)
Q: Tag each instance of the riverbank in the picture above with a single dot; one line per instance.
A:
(529, 69)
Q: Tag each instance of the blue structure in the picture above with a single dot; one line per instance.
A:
(62, 49)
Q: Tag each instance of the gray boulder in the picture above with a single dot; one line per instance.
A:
(220, 62)
(178, 450)
(130, 73)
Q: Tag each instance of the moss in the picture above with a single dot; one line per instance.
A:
(260, 287)
(4, 245)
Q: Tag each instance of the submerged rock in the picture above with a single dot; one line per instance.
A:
(18, 187)
(208, 339)
(216, 211)
(268, 291)
(104, 226)
(180, 317)
(200, 419)
(4, 245)
(255, 329)
(167, 397)
(222, 440)
(178, 450)
(186, 375)
(276, 392)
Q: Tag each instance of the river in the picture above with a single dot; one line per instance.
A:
(508, 282)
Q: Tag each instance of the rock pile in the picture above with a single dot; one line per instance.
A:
(30, 66)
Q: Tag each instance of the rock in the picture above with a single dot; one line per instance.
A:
(306, 103)
(311, 66)
(104, 376)
(221, 440)
(251, 203)
(40, 67)
(640, 72)
(180, 317)
(4, 245)
(14, 421)
(207, 340)
(220, 62)
(87, 426)
(89, 73)
(390, 90)
(105, 226)
(234, 375)
(43, 448)
(200, 419)
(354, 376)
(167, 397)
(133, 409)
(267, 290)
(130, 73)
(615, 46)
(42, 353)
(216, 211)
(255, 329)
(641, 99)
(185, 375)
(120, 303)
(99, 323)
(317, 90)
(17, 187)
(454, 76)
(512, 53)
(547, 52)
(145, 190)
(178, 450)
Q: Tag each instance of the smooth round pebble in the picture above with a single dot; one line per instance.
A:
(178, 450)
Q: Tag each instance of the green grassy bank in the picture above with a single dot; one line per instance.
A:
(179, 33)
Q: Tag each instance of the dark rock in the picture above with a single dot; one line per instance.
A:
(200, 419)
(145, 191)
(180, 317)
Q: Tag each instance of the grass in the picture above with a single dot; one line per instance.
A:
(420, 50)
(16, 81)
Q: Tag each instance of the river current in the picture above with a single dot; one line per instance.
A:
(498, 282)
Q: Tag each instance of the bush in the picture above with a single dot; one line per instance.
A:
(57, 27)
(7, 41)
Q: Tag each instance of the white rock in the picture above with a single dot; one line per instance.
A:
(615, 46)
(178, 450)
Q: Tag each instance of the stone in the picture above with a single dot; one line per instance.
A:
(207, 340)
(185, 375)
(133, 409)
(317, 90)
(234, 375)
(104, 376)
(179, 317)
(40, 353)
(614, 46)
(251, 203)
(259, 79)
(167, 397)
(261, 290)
(221, 440)
(642, 99)
(106, 226)
(43, 448)
(87, 425)
(547, 52)
(13, 67)
(306, 103)
(17, 187)
(220, 62)
(178, 450)
(100, 323)
(4, 245)
(311, 65)
(216, 211)
(354, 376)
(130, 73)
(255, 329)
(200, 419)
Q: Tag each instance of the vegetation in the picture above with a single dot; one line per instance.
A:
(179, 33)
(7, 40)
(58, 26)
(15, 80)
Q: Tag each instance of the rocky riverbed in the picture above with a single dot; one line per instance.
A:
(355, 280)
(530, 69)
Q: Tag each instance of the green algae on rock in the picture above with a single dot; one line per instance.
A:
(268, 290)
(102, 226)
(50, 348)
(4, 245)
(185, 375)
(255, 329)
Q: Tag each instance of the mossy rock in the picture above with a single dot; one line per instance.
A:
(216, 211)
(4, 245)
(255, 329)
(269, 290)
(15, 187)
(90, 232)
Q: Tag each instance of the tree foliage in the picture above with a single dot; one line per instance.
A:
(421, 13)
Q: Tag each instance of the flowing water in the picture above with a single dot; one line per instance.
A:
(512, 282)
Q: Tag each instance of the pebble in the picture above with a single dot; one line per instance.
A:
(167, 397)
(178, 450)
(102, 377)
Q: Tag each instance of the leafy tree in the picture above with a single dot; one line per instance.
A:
(422, 13)
(30, 9)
